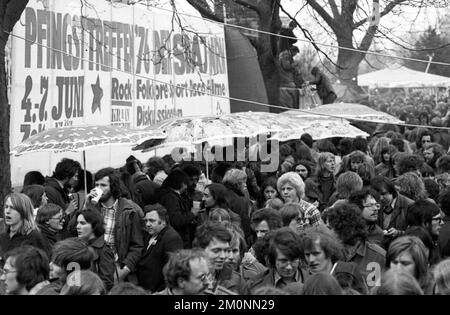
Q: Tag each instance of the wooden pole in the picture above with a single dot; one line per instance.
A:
(84, 170)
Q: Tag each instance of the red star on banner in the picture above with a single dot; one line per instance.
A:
(98, 94)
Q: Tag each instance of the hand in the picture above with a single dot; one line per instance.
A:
(73, 205)
(91, 194)
(123, 273)
(392, 232)
(195, 211)
(248, 258)
(94, 195)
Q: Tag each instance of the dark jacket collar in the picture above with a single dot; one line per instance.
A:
(167, 190)
(234, 189)
(358, 249)
(52, 235)
(98, 242)
(53, 182)
(268, 277)
(158, 237)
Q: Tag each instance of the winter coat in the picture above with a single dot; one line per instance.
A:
(55, 193)
(34, 238)
(127, 233)
(180, 216)
(103, 263)
(155, 256)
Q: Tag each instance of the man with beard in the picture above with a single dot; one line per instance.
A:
(186, 273)
(193, 174)
(215, 239)
(122, 227)
(191, 195)
(367, 201)
(426, 214)
(183, 217)
(284, 256)
(431, 153)
(57, 187)
(161, 239)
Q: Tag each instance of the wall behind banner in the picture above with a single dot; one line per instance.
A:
(109, 63)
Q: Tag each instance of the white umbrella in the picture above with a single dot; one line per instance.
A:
(81, 138)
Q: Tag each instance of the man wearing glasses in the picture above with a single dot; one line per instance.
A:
(186, 273)
(26, 271)
(367, 201)
(293, 217)
(427, 214)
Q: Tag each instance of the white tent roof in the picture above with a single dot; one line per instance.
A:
(402, 77)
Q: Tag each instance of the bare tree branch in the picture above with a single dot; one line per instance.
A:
(323, 14)
(307, 34)
(391, 5)
(368, 38)
(203, 8)
(348, 10)
(251, 4)
(389, 37)
(334, 8)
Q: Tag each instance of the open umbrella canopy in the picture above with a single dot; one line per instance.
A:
(322, 129)
(198, 129)
(270, 122)
(84, 137)
(347, 111)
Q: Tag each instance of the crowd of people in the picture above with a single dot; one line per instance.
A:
(415, 107)
(339, 216)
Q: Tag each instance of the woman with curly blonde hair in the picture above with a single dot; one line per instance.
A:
(292, 189)
(411, 186)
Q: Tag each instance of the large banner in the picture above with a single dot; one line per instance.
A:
(92, 62)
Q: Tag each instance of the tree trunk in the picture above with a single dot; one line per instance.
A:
(348, 61)
(267, 48)
(10, 12)
(5, 166)
(348, 68)
(270, 72)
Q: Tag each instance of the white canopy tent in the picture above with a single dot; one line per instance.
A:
(402, 77)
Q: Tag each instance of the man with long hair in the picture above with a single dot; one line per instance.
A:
(123, 231)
